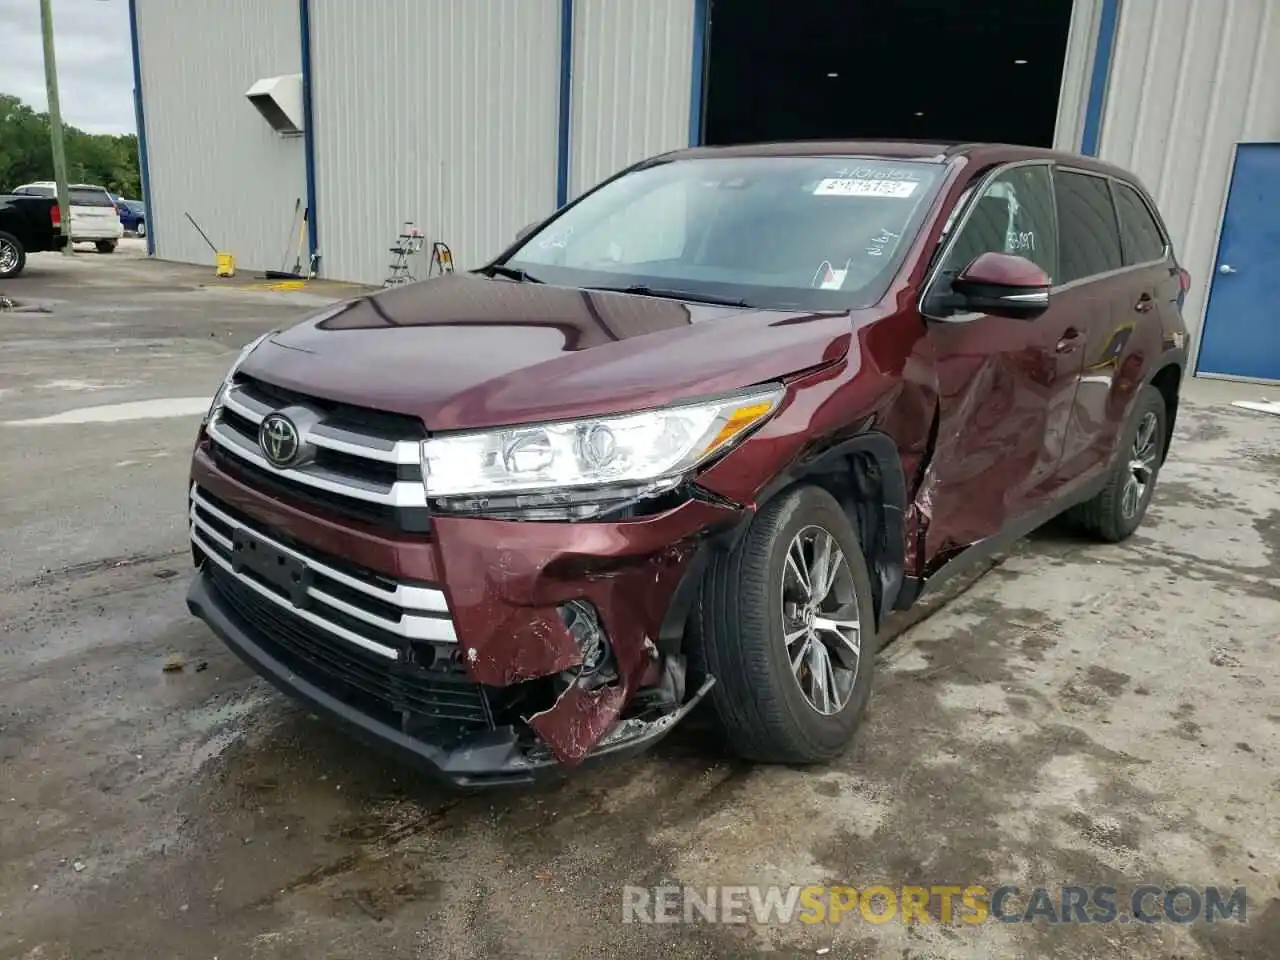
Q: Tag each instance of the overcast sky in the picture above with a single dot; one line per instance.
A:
(95, 68)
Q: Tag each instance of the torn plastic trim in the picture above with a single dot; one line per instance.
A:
(628, 735)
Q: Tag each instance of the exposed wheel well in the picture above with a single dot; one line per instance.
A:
(1168, 380)
(864, 474)
(865, 477)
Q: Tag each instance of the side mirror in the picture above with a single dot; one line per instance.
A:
(1004, 286)
(527, 229)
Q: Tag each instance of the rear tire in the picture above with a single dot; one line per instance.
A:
(780, 702)
(13, 256)
(1116, 512)
(105, 246)
(141, 229)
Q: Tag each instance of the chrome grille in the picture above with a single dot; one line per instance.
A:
(362, 462)
(375, 613)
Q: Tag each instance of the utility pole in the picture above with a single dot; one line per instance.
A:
(55, 122)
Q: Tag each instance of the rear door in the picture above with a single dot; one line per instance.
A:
(1005, 387)
(1117, 278)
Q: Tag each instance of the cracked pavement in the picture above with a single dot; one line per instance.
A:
(1081, 714)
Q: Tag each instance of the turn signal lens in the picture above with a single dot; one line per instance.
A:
(739, 420)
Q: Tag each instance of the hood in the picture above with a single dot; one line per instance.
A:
(463, 351)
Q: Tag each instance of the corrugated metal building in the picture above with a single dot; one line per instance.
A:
(474, 118)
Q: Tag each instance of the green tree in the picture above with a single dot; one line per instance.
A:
(100, 158)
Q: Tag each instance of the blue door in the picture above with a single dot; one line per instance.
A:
(1241, 326)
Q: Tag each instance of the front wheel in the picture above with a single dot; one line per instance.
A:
(141, 229)
(13, 256)
(786, 625)
(105, 246)
(1115, 513)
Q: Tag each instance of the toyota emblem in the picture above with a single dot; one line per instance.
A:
(278, 438)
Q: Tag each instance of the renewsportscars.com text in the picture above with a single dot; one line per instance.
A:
(940, 903)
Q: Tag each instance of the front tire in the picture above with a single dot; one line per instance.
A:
(13, 256)
(786, 625)
(105, 246)
(1115, 513)
(141, 229)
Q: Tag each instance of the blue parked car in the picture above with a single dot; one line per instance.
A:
(133, 215)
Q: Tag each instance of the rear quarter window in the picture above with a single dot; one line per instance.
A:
(1142, 237)
(1089, 234)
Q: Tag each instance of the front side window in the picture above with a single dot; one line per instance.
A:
(1143, 241)
(775, 232)
(1089, 232)
(1013, 215)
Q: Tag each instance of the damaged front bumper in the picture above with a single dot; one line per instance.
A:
(556, 645)
(489, 758)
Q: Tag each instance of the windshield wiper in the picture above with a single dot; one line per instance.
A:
(641, 290)
(511, 273)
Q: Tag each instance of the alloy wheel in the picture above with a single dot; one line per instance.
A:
(8, 256)
(1142, 465)
(821, 630)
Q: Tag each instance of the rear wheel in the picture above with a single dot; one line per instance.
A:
(141, 229)
(13, 257)
(786, 625)
(105, 246)
(1115, 513)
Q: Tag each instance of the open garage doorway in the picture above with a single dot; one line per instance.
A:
(985, 70)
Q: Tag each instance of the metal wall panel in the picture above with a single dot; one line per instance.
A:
(210, 151)
(436, 111)
(1077, 69)
(632, 77)
(1189, 80)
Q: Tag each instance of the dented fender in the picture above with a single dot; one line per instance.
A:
(506, 581)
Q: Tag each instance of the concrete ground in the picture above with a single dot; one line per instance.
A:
(1081, 715)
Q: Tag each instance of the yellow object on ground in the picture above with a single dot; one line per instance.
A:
(226, 265)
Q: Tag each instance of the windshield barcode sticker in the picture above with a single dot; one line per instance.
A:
(864, 188)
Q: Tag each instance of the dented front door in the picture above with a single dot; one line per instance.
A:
(1005, 387)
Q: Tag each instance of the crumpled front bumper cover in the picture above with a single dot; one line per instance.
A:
(490, 758)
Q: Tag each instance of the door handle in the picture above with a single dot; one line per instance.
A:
(1226, 268)
(1069, 340)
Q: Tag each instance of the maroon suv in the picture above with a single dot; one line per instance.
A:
(694, 436)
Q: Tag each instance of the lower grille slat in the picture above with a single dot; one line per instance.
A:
(387, 689)
(403, 672)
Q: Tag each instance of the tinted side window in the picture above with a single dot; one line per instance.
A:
(1143, 241)
(1013, 215)
(1087, 228)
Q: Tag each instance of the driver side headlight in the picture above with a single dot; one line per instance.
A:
(643, 452)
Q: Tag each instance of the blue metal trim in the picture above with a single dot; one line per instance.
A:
(1091, 138)
(701, 18)
(564, 143)
(308, 128)
(140, 118)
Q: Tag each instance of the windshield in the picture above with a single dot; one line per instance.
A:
(812, 233)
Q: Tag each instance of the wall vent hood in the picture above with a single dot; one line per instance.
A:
(279, 100)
